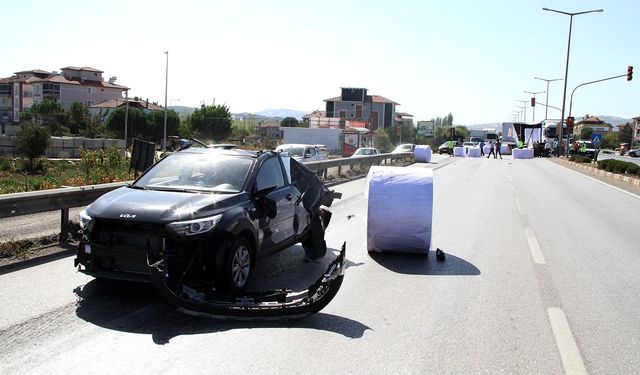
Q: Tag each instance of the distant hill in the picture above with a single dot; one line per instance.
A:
(613, 120)
(282, 113)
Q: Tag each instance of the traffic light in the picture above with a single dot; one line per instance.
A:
(570, 121)
(397, 129)
(629, 73)
(533, 101)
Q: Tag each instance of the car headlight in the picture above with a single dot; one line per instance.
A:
(193, 227)
(85, 220)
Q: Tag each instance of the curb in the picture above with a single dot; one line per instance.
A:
(600, 172)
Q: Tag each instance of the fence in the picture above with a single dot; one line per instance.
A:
(63, 147)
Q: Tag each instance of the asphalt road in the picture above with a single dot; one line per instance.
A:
(540, 277)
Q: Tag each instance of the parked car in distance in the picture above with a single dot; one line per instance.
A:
(590, 149)
(365, 151)
(406, 147)
(634, 153)
(301, 152)
(444, 148)
(207, 215)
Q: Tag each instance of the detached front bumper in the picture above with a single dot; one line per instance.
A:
(283, 304)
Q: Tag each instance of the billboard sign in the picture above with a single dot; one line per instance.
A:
(425, 128)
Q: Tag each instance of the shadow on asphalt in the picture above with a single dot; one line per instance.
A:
(417, 264)
(137, 308)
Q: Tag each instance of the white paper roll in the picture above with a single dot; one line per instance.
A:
(458, 151)
(422, 153)
(525, 153)
(474, 152)
(399, 209)
(486, 149)
(504, 150)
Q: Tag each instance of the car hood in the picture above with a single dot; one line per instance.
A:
(159, 206)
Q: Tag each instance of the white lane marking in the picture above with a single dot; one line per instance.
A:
(569, 352)
(510, 179)
(604, 183)
(534, 246)
(513, 189)
(520, 211)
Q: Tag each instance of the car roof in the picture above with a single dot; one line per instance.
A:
(219, 151)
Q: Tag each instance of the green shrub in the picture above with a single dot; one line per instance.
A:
(6, 164)
(632, 169)
(620, 166)
(31, 142)
(602, 164)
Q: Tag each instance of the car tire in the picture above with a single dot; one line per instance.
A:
(314, 245)
(237, 266)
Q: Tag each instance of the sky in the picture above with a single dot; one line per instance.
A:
(473, 59)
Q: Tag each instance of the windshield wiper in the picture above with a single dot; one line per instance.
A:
(137, 187)
(179, 190)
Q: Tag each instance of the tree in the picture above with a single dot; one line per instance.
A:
(610, 141)
(242, 129)
(155, 120)
(625, 133)
(32, 141)
(136, 125)
(289, 122)
(211, 122)
(51, 115)
(78, 118)
(382, 142)
(585, 133)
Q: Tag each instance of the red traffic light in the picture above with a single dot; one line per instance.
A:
(397, 130)
(629, 73)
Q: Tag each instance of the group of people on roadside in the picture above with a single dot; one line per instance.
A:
(494, 150)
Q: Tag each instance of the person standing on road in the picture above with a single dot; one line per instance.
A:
(451, 144)
(498, 144)
(482, 147)
(492, 150)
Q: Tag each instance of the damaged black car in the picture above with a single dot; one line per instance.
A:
(196, 222)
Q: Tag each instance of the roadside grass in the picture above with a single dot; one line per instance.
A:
(95, 167)
(22, 249)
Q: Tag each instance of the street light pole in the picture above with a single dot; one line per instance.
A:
(547, 101)
(566, 69)
(166, 85)
(534, 102)
(524, 107)
(126, 119)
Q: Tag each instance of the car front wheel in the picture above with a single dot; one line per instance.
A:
(237, 266)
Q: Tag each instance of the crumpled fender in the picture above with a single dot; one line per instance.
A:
(281, 304)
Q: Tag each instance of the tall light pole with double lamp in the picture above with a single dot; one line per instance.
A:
(546, 105)
(566, 69)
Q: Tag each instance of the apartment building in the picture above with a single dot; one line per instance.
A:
(356, 105)
(73, 84)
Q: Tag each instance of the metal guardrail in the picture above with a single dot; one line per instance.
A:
(62, 199)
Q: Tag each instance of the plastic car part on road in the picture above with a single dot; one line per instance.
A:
(282, 304)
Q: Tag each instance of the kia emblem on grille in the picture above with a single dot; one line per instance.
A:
(128, 216)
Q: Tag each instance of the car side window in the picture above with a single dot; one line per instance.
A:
(270, 174)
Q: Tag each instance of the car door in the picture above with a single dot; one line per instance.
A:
(278, 229)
